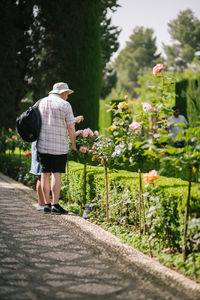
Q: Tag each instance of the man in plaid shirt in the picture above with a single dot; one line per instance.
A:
(57, 125)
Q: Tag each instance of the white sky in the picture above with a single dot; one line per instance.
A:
(154, 14)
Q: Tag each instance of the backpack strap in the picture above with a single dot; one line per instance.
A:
(37, 103)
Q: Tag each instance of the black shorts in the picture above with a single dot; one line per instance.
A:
(52, 163)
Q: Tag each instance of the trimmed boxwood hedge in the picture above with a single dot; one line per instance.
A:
(121, 180)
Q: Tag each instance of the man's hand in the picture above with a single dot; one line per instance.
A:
(79, 119)
(73, 150)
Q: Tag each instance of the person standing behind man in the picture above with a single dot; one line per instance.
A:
(174, 128)
(35, 170)
(57, 124)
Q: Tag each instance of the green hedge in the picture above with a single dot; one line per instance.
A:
(119, 182)
(187, 99)
(167, 214)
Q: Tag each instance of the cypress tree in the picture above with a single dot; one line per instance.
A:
(69, 50)
(193, 103)
(109, 45)
(187, 99)
(15, 52)
(7, 71)
(181, 96)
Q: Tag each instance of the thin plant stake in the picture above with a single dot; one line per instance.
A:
(85, 184)
(106, 185)
(187, 208)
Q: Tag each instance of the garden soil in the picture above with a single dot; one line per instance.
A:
(67, 257)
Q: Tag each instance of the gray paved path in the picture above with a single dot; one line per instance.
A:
(66, 257)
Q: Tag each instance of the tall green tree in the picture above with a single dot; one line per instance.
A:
(139, 54)
(109, 45)
(185, 33)
(15, 52)
(47, 41)
(66, 37)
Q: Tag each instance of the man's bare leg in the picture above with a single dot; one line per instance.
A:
(39, 192)
(45, 185)
(56, 186)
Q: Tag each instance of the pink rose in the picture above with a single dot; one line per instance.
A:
(158, 69)
(20, 168)
(27, 153)
(83, 149)
(135, 126)
(126, 97)
(96, 133)
(90, 132)
(122, 105)
(147, 106)
(87, 132)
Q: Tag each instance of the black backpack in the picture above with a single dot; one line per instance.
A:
(29, 123)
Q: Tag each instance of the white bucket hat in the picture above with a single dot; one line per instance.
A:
(60, 87)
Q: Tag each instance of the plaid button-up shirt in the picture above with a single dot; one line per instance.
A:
(56, 114)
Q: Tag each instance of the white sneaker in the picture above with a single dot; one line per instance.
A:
(39, 207)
